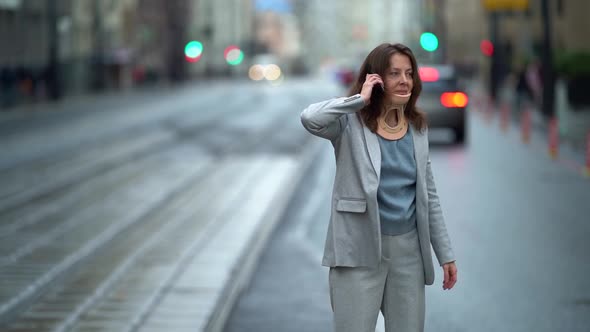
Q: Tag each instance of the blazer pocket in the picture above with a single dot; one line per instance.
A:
(351, 205)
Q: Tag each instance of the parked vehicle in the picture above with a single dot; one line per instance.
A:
(443, 100)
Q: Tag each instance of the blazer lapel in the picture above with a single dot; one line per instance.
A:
(372, 143)
(374, 150)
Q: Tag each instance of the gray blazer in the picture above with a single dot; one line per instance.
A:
(354, 234)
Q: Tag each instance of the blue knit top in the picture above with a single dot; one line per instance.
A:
(397, 187)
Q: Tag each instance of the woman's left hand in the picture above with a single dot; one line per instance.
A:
(450, 272)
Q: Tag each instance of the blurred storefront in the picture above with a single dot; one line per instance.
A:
(70, 47)
(56, 48)
(25, 49)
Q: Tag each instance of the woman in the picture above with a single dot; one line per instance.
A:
(385, 209)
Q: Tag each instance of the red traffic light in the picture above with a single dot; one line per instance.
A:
(428, 74)
(486, 47)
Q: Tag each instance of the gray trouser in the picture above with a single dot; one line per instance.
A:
(396, 287)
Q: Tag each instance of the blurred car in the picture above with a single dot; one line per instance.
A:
(266, 66)
(442, 99)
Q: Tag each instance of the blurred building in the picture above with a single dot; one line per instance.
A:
(217, 25)
(162, 28)
(68, 47)
(256, 27)
(395, 22)
(465, 26)
(524, 30)
(341, 33)
(517, 30)
(65, 46)
(23, 31)
(277, 34)
(520, 34)
(322, 35)
(26, 43)
(118, 39)
(102, 43)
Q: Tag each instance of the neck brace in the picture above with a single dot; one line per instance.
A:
(398, 110)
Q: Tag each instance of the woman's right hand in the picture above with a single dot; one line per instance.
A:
(371, 80)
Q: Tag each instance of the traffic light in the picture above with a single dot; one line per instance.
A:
(193, 51)
(486, 47)
(233, 55)
(429, 41)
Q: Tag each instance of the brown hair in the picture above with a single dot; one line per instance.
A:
(378, 62)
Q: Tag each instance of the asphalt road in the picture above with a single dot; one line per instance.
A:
(121, 215)
(519, 223)
(141, 214)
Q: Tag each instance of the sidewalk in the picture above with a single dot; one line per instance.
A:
(573, 126)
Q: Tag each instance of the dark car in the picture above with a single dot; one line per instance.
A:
(442, 99)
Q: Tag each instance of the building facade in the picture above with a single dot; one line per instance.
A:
(341, 33)
(71, 47)
(569, 28)
(520, 33)
(217, 25)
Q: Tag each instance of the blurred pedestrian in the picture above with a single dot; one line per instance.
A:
(524, 94)
(534, 80)
(385, 211)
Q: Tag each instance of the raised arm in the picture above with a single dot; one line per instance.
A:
(328, 119)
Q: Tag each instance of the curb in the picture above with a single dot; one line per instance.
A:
(248, 260)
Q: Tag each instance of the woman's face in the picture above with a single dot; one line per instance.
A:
(398, 79)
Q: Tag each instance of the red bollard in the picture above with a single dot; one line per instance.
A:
(505, 117)
(525, 125)
(553, 138)
(587, 168)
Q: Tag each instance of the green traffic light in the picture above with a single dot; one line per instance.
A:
(193, 49)
(428, 41)
(233, 55)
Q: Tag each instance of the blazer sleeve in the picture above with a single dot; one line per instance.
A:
(439, 237)
(328, 119)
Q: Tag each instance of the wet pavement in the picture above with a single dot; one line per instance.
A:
(519, 225)
(152, 216)
(144, 218)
